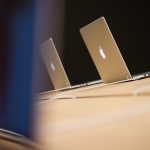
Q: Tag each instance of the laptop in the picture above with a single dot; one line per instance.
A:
(105, 52)
(55, 67)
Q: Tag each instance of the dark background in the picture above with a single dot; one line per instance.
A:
(129, 23)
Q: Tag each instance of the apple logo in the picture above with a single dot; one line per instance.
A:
(101, 51)
(52, 66)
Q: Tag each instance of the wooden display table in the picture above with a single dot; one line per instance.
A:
(99, 117)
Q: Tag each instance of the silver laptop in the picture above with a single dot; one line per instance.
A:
(55, 67)
(105, 52)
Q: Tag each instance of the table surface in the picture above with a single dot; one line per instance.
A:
(113, 116)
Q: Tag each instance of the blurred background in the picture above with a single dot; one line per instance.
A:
(24, 24)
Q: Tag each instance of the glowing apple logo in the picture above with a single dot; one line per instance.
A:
(52, 66)
(102, 53)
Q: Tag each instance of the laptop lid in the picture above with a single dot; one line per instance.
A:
(104, 51)
(54, 65)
